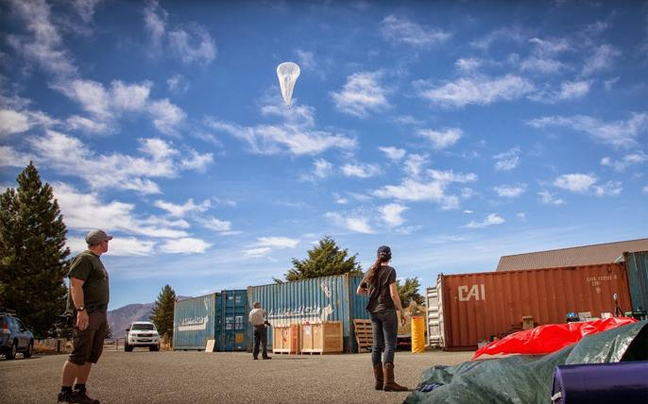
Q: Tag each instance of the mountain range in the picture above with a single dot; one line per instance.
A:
(119, 319)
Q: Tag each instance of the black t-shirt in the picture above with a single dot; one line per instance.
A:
(379, 297)
(88, 267)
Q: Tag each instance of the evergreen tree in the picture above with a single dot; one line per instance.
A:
(162, 314)
(33, 255)
(409, 291)
(325, 259)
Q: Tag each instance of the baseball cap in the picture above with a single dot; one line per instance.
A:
(384, 250)
(96, 236)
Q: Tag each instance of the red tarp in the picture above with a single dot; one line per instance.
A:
(550, 337)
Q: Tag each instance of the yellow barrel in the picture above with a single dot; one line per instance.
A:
(418, 334)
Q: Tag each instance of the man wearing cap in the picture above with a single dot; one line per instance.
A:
(257, 317)
(88, 296)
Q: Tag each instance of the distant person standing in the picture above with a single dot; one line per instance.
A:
(89, 295)
(258, 319)
(380, 284)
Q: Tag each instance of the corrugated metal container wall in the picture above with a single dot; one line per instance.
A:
(637, 267)
(328, 298)
(195, 321)
(233, 333)
(481, 305)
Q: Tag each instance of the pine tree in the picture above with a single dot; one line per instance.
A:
(162, 314)
(33, 255)
(409, 291)
(325, 259)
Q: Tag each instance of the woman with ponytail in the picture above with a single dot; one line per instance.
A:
(380, 284)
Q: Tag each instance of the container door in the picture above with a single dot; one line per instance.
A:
(234, 329)
(637, 269)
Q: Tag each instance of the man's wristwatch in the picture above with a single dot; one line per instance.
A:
(80, 308)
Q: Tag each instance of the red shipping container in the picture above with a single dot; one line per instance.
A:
(476, 307)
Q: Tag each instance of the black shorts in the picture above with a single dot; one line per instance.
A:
(88, 344)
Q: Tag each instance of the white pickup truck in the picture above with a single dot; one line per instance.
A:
(144, 334)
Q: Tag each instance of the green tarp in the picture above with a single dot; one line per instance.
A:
(526, 379)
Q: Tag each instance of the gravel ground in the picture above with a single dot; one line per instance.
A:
(222, 377)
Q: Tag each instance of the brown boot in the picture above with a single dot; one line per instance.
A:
(378, 373)
(390, 384)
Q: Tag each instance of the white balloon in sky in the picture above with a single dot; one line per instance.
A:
(287, 73)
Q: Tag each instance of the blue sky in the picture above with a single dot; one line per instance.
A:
(455, 132)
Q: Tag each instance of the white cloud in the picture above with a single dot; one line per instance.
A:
(196, 161)
(442, 139)
(602, 59)
(507, 160)
(404, 31)
(182, 210)
(187, 245)
(106, 105)
(218, 225)
(12, 122)
(393, 153)
(155, 23)
(414, 164)
(468, 65)
(617, 134)
(45, 46)
(544, 65)
(645, 189)
(502, 34)
(85, 211)
(85, 8)
(353, 222)
(118, 171)
(575, 182)
(549, 198)
(433, 190)
(610, 188)
(277, 242)
(490, 220)
(257, 252)
(510, 191)
(361, 95)
(475, 90)
(628, 160)
(83, 124)
(392, 214)
(297, 138)
(305, 58)
(119, 246)
(360, 170)
(178, 84)
(323, 168)
(166, 116)
(570, 90)
(9, 157)
(196, 46)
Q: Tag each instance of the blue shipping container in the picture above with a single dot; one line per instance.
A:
(221, 317)
(637, 268)
(328, 298)
(234, 331)
(194, 321)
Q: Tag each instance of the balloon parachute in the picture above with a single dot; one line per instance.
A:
(287, 73)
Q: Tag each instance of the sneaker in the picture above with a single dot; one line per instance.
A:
(81, 397)
(65, 397)
(255, 358)
(266, 357)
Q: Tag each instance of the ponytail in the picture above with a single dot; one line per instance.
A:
(371, 274)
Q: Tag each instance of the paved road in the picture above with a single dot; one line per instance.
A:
(198, 377)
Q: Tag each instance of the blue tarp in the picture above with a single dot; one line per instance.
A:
(526, 379)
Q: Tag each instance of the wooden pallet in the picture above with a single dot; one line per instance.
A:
(363, 334)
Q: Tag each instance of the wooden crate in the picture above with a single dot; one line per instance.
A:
(285, 339)
(363, 334)
(321, 338)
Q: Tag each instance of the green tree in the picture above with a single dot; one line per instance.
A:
(33, 255)
(162, 314)
(325, 259)
(409, 291)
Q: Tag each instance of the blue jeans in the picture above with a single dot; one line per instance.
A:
(385, 330)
